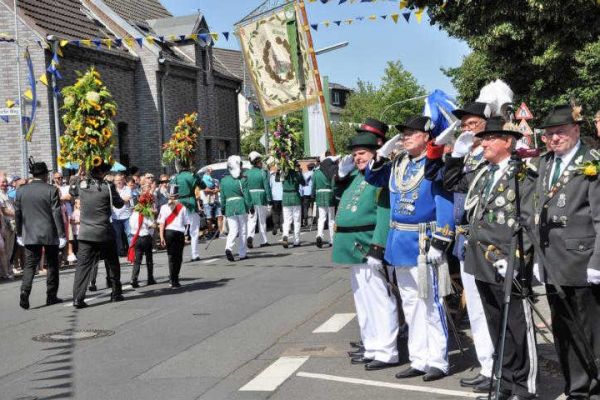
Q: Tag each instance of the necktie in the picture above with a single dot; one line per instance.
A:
(490, 182)
(556, 174)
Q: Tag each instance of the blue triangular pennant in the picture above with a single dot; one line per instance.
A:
(140, 41)
(97, 42)
(118, 42)
(315, 26)
(226, 35)
(4, 118)
(384, 17)
(182, 37)
(337, 22)
(406, 16)
(342, 2)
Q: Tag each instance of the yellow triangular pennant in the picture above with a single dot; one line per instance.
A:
(59, 52)
(395, 17)
(10, 103)
(87, 42)
(63, 43)
(28, 94)
(349, 21)
(108, 43)
(44, 79)
(172, 38)
(150, 39)
(403, 4)
(373, 17)
(419, 14)
(215, 36)
(129, 41)
(194, 37)
(326, 23)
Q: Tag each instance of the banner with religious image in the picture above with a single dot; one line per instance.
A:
(276, 55)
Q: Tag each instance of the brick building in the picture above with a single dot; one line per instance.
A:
(153, 84)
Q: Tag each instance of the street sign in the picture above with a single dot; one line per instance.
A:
(524, 128)
(523, 112)
(9, 112)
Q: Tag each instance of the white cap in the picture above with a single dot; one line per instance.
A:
(234, 165)
(254, 155)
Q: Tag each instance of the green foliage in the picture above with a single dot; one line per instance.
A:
(293, 123)
(384, 102)
(546, 50)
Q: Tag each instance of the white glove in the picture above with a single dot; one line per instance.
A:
(62, 242)
(434, 255)
(463, 144)
(536, 272)
(20, 241)
(346, 165)
(502, 266)
(388, 147)
(593, 276)
(447, 136)
(334, 158)
(374, 262)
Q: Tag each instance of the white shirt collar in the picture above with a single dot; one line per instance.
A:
(566, 158)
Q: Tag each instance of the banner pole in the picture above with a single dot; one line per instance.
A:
(313, 57)
(25, 158)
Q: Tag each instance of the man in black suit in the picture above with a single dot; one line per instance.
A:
(96, 235)
(39, 226)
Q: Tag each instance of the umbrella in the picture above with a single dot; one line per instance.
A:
(118, 167)
(71, 165)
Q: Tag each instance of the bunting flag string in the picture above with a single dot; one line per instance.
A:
(31, 95)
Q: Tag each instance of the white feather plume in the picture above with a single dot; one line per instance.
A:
(496, 94)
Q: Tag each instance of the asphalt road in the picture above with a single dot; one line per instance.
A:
(275, 326)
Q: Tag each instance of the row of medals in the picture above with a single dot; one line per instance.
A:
(405, 205)
(352, 205)
(503, 216)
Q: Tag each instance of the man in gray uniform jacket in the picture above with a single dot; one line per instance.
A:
(39, 226)
(490, 208)
(566, 215)
(96, 234)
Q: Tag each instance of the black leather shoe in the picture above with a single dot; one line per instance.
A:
(79, 304)
(195, 259)
(434, 374)
(285, 242)
(53, 300)
(357, 344)
(483, 387)
(250, 242)
(377, 365)
(150, 282)
(501, 396)
(175, 284)
(320, 242)
(135, 285)
(93, 288)
(296, 244)
(229, 256)
(475, 381)
(409, 373)
(24, 301)
(265, 245)
(117, 298)
(243, 258)
(360, 360)
(357, 353)
(517, 397)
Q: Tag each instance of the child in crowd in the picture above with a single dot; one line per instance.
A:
(142, 224)
(173, 218)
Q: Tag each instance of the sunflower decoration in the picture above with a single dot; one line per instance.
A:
(88, 110)
(182, 145)
(284, 148)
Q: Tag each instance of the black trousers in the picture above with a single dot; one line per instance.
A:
(276, 211)
(519, 369)
(90, 253)
(175, 243)
(33, 256)
(585, 303)
(143, 246)
(306, 203)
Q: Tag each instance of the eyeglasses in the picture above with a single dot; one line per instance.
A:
(468, 126)
(559, 132)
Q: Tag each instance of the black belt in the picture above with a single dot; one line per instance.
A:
(352, 229)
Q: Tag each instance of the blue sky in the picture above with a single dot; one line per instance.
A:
(422, 48)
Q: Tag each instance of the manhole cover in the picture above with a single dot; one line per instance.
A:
(26, 398)
(67, 336)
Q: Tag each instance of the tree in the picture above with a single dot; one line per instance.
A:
(546, 50)
(384, 102)
(251, 138)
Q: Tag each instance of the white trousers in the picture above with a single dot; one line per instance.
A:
(260, 216)
(194, 230)
(484, 347)
(326, 213)
(292, 214)
(237, 224)
(377, 314)
(426, 319)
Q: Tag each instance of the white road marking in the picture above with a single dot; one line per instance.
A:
(210, 261)
(274, 375)
(389, 385)
(335, 323)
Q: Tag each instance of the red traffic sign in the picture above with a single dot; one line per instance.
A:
(523, 112)
(525, 129)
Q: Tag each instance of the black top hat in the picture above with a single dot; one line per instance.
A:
(38, 168)
(364, 139)
(173, 191)
(564, 114)
(374, 126)
(420, 123)
(499, 126)
(476, 109)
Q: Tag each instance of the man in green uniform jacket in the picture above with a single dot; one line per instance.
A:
(292, 205)
(260, 192)
(356, 222)
(236, 203)
(187, 183)
(322, 191)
